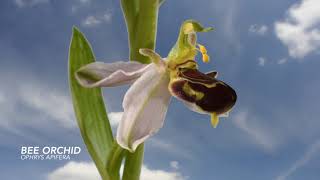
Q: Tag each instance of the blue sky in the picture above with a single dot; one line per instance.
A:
(267, 50)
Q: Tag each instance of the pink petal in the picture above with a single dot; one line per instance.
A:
(100, 74)
(145, 105)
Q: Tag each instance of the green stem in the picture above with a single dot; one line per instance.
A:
(114, 161)
(133, 164)
(141, 18)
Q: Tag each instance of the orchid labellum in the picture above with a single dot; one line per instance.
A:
(146, 102)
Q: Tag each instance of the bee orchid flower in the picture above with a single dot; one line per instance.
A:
(146, 102)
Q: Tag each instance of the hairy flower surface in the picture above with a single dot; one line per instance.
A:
(146, 102)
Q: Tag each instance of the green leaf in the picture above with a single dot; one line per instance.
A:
(89, 106)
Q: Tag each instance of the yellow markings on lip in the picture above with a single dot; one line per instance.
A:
(214, 119)
(188, 90)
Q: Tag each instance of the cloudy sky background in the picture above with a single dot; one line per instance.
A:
(267, 50)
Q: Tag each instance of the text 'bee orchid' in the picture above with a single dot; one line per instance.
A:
(146, 102)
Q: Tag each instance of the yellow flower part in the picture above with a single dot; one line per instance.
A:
(214, 120)
(188, 90)
(205, 58)
(204, 52)
(202, 49)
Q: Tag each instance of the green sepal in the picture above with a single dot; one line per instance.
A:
(185, 47)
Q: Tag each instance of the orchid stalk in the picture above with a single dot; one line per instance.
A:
(141, 18)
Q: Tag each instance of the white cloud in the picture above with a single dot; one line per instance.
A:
(87, 170)
(170, 148)
(93, 21)
(115, 118)
(257, 134)
(51, 103)
(306, 157)
(258, 29)
(174, 164)
(85, 1)
(33, 104)
(107, 17)
(75, 171)
(262, 61)
(78, 4)
(2, 98)
(282, 61)
(299, 31)
(148, 174)
(29, 3)
(230, 13)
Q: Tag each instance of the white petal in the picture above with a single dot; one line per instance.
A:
(100, 74)
(145, 106)
(197, 109)
(226, 114)
(193, 107)
(213, 74)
